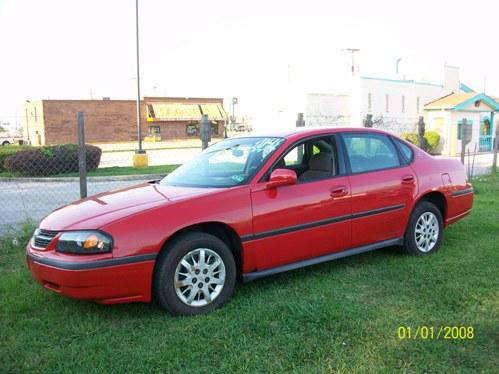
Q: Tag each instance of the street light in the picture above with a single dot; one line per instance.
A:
(140, 157)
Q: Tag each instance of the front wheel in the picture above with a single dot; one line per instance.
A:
(195, 274)
(425, 229)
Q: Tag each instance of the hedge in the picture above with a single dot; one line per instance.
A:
(50, 160)
(432, 139)
(9, 150)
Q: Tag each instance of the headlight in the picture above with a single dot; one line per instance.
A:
(84, 242)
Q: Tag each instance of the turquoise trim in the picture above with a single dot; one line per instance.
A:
(408, 81)
(429, 84)
(465, 88)
(486, 99)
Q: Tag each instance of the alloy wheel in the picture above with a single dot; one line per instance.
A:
(199, 277)
(426, 232)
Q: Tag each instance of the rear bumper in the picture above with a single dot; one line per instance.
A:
(108, 281)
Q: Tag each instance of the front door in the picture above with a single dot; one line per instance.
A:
(309, 219)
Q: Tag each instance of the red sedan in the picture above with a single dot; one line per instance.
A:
(248, 207)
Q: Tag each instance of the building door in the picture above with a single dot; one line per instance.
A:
(485, 138)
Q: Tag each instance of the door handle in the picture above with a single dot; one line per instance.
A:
(339, 191)
(408, 179)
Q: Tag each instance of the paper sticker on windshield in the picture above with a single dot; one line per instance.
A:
(238, 178)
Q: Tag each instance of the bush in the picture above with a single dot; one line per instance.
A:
(51, 160)
(432, 139)
(9, 150)
(411, 137)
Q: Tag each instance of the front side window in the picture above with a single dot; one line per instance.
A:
(368, 152)
(225, 164)
(311, 160)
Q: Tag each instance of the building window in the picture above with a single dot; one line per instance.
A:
(387, 103)
(192, 129)
(154, 130)
(369, 102)
(417, 104)
(403, 104)
(36, 117)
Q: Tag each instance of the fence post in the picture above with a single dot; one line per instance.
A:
(421, 132)
(82, 157)
(466, 133)
(495, 144)
(300, 121)
(205, 131)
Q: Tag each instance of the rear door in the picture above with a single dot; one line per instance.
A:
(309, 219)
(383, 187)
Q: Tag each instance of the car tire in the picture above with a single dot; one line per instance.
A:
(194, 274)
(424, 232)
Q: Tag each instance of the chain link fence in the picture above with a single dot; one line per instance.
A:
(35, 180)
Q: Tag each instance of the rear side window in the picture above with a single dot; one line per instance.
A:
(405, 150)
(369, 152)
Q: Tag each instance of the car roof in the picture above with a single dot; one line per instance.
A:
(309, 131)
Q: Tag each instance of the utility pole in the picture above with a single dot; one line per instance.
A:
(140, 157)
(353, 51)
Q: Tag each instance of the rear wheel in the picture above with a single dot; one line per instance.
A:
(424, 231)
(195, 274)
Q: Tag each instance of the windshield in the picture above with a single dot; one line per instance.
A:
(225, 164)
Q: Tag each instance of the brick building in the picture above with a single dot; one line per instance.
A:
(54, 121)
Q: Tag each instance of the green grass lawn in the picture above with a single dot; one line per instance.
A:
(341, 316)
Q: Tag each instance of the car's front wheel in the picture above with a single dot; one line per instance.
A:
(195, 274)
(424, 231)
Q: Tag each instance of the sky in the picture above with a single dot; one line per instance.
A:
(254, 50)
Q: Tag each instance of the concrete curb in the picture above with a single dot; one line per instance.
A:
(140, 177)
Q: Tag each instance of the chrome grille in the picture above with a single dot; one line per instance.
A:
(42, 238)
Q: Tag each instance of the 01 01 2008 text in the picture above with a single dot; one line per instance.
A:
(436, 333)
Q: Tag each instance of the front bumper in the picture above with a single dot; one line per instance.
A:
(104, 280)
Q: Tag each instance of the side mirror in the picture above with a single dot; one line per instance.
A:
(281, 177)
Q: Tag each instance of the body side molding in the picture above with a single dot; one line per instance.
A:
(317, 260)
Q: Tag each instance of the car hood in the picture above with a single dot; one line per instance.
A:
(98, 210)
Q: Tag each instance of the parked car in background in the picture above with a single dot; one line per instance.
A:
(249, 207)
(9, 140)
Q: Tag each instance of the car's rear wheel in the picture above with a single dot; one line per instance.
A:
(424, 231)
(195, 274)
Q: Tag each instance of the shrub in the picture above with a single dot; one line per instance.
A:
(432, 139)
(9, 150)
(51, 160)
(411, 137)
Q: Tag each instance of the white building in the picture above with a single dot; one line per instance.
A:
(395, 104)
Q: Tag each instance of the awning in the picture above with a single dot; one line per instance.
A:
(215, 112)
(184, 112)
(173, 112)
